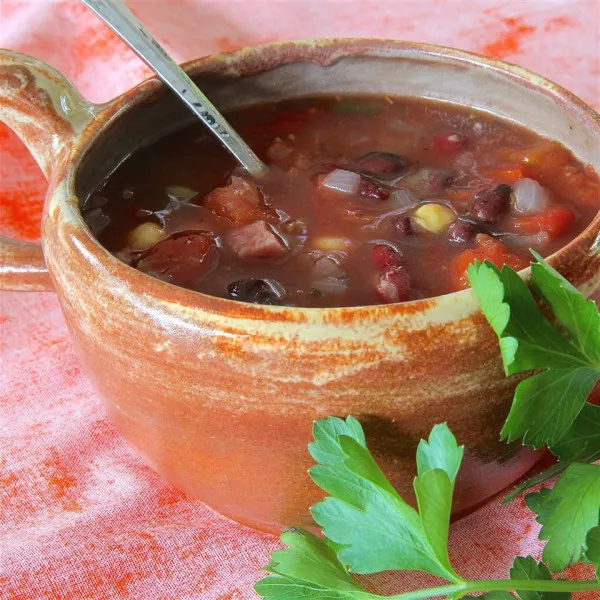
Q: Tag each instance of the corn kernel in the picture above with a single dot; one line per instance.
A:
(330, 244)
(145, 235)
(434, 217)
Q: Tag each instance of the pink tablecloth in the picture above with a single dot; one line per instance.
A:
(81, 516)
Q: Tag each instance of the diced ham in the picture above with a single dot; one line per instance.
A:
(240, 203)
(181, 259)
(257, 240)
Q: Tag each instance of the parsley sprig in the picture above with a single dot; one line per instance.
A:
(369, 528)
(367, 525)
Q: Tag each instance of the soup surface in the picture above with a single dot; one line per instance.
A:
(368, 200)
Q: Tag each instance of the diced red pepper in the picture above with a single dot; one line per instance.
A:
(488, 248)
(556, 221)
(509, 175)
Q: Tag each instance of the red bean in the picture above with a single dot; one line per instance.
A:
(489, 205)
(385, 257)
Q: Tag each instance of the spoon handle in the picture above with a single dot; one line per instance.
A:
(124, 23)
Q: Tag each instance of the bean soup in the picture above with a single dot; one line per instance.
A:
(368, 200)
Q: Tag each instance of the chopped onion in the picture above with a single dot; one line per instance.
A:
(180, 193)
(402, 198)
(465, 161)
(342, 181)
(399, 201)
(537, 241)
(530, 197)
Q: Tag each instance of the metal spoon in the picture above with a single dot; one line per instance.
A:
(124, 23)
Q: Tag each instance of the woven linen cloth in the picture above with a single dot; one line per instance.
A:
(81, 515)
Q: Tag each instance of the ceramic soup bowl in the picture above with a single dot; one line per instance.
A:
(220, 396)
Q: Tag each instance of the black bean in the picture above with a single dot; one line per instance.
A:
(256, 291)
(403, 226)
(489, 205)
(384, 165)
(461, 233)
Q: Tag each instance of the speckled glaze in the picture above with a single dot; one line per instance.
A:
(220, 396)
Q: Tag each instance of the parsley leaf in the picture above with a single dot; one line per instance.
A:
(581, 443)
(567, 512)
(546, 403)
(592, 552)
(526, 568)
(580, 317)
(307, 570)
(496, 595)
(374, 527)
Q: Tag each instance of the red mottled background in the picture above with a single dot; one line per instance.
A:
(82, 517)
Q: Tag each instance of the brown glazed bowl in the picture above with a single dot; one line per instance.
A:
(220, 396)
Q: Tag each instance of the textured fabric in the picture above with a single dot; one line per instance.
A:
(81, 516)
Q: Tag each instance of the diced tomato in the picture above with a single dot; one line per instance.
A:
(239, 203)
(549, 165)
(180, 260)
(450, 142)
(488, 248)
(556, 221)
(257, 240)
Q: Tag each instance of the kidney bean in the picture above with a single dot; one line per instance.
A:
(393, 285)
(403, 226)
(490, 204)
(460, 233)
(369, 189)
(386, 257)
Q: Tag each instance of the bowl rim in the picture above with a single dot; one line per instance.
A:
(249, 61)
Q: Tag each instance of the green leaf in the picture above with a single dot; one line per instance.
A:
(438, 462)
(374, 527)
(592, 548)
(567, 512)
(547, 403)
(581, 443)
(578, 316)
(526, 568)
(495, 595)
(307, 569)
(440, 452)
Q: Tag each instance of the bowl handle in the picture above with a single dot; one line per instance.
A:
(47, 113)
